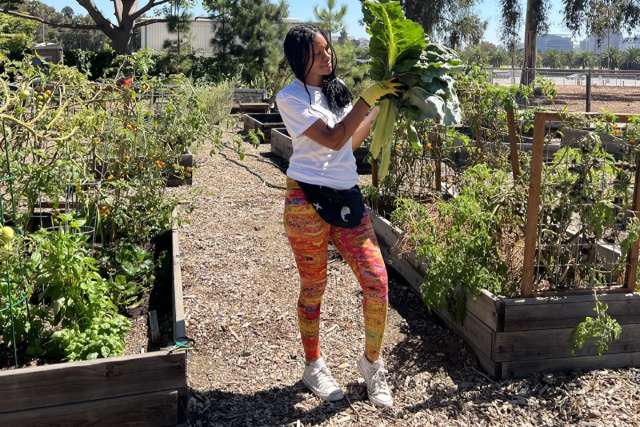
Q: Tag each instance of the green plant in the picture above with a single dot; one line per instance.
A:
(130, 272)
(399, 50)
(61, 303)
(584, 197)
(464, 242)
(601, 329)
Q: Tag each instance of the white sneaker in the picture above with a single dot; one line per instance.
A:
(375, 377)
(319, 380)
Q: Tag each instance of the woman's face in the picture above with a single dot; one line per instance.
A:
(320, 63)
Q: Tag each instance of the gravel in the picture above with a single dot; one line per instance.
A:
(240, 292)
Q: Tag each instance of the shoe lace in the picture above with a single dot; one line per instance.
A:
(379, 382)
(325, 378)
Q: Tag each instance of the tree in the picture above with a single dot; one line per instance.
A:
(249, 36)
(586, 60)
(535, 23)
(611, 58)
(498, 57)
(352, 65)
(331, 20)
(568, 59)
(477, 54)
(118, 32)
(70, 39)
(464, 27)
(551, 59)
(16, 36)
(631, 59)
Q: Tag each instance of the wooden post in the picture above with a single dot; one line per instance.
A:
(588, 106)
(374, 173)
(533, 204)
(513, 142)
(435, 142)
(632, 257)
(375, 182)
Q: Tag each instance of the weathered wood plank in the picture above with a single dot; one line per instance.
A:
(150, 409)
(566, 311)
(555, 343)
(523, 368)
(608, 298)
(281, 144)
(485, 307)
(65, 383)
(179, 328)
(474, 332)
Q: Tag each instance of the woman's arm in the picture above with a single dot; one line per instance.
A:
(363, 130)
(335, 137)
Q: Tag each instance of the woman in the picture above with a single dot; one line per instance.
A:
(324, 203)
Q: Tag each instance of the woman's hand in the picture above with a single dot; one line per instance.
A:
(373, 93)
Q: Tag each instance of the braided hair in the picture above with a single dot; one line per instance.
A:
(298, 49)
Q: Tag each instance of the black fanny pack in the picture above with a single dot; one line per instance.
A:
(342, 208)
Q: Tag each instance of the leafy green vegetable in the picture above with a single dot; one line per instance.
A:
(399, 49)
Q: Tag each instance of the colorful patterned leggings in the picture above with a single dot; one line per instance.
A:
(309, 237)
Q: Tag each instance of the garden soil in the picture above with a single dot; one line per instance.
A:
(240, 291)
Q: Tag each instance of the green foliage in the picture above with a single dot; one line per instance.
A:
(460, 242)
(601, 330)
(16, 36)
(398, 49)
(64, 309)
(582, 182)
(255, 137)
(331, 20)
(101, 154)
(353, 67)
(130, 269)
(249, 39)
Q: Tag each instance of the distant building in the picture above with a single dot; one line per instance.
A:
(631, 43)
(155, 36)
(597, 44)
(202, 30)
(559, 42)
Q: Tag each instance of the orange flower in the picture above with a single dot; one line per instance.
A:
(160, 164)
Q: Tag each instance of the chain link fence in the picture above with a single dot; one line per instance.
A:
(591, 90)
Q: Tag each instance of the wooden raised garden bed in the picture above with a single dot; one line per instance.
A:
(516, 337)
(249, 101)
(264, 122)
(282, 146)
(144, 390)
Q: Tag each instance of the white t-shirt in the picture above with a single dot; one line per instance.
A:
(311, 162)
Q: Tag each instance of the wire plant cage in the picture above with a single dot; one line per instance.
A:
(582, 223)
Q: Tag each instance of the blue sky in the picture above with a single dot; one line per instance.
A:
(488, 10)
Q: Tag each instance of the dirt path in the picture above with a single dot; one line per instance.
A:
(240, 287)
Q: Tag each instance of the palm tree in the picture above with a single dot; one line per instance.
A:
(552, 59)
(330, 19)
(632, 59)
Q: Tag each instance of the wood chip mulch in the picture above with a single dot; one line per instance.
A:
(240, 292)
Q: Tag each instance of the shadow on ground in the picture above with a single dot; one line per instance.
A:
(429, 356)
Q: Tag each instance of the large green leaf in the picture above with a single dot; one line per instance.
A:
(396, 42)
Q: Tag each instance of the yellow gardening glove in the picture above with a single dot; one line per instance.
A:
(373, 93)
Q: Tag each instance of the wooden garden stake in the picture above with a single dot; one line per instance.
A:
(374, 182)
(513, 142)
(435, 145)
(632, 257)
(533, 204)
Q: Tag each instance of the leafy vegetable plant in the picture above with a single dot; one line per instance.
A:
(400, 50)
